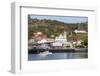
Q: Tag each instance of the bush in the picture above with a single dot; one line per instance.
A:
(79, 46)
(85, 42)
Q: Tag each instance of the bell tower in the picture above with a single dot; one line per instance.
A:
(65, 35)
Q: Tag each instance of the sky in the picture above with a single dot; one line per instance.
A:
(65, 19)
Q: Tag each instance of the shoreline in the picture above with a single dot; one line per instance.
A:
(67, 50)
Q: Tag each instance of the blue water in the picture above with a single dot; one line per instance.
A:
(56, 56)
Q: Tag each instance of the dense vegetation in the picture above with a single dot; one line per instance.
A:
(54, 27)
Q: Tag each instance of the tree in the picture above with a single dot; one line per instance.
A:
(85, 42)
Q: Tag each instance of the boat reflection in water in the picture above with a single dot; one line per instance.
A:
(55, 56)
(61, 54)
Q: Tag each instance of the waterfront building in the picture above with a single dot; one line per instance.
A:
(61, 41)
(42, 41)
(31, 41)
(61, 37)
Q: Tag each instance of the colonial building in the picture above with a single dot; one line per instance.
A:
(61, 41)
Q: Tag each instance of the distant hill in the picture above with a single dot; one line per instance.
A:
(53, 27)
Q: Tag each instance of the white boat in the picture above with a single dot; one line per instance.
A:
(45, 53)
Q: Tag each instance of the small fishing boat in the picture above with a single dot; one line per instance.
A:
(45, 53)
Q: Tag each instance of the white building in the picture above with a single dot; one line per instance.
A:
(61, 40)
(58, 44)
(80, 31)
(42, 41)
(77, 42)
(61, 37)
(31, 41)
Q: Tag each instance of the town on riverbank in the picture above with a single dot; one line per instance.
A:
(56, 36)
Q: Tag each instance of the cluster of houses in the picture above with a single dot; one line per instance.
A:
(42, 41)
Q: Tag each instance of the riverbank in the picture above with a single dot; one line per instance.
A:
(36, 51)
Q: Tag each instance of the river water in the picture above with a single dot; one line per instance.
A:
(56, 56)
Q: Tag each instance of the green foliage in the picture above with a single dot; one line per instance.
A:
(53, 27)
(85, 42)
(79, 46)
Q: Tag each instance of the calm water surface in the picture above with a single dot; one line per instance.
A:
(55, 56)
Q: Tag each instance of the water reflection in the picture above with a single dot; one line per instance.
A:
(55, 56)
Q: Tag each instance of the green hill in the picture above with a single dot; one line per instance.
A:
(53, 27)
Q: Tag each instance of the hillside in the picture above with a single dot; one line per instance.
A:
(53, 27)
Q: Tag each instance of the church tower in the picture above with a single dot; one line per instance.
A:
(65, 35)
